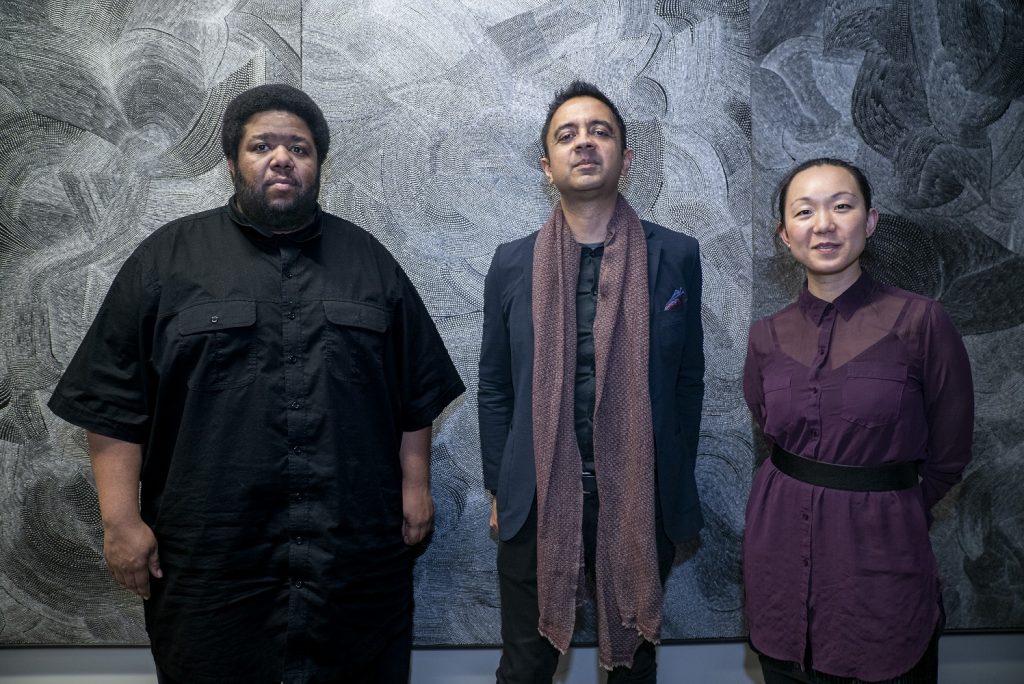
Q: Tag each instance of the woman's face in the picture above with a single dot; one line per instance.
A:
(825, 223)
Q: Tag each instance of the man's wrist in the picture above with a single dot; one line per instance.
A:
(120, 519)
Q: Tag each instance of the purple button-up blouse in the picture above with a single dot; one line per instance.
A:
(878, 376)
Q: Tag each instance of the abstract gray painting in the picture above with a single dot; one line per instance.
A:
(109, 123)
(928, 98)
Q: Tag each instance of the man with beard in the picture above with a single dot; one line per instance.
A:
(591, 385)
(269, 375)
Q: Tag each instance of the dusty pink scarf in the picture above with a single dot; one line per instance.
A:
(628, 588)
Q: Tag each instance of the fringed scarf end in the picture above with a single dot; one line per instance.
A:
(562, 650)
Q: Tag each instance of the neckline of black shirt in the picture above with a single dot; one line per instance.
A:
(308, 232)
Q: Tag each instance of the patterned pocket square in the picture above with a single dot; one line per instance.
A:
(677, 300)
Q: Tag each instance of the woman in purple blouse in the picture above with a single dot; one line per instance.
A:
(864, 392)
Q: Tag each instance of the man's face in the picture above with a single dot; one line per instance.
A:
(276, 176)
(585, 156)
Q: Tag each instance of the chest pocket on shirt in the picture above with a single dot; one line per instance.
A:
(872, 392)
(354, 343)
(778, 404)
(219, 340)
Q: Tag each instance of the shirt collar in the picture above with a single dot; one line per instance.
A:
(309, 232)
(846, 304)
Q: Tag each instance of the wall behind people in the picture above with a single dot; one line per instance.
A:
(109, 115)
(928, 98)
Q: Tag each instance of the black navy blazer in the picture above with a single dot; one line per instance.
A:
(676, 379)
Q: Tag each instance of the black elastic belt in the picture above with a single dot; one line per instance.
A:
(880, 478)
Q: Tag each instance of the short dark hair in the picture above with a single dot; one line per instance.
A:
(273, 97)
(579, 89)
(783, 188)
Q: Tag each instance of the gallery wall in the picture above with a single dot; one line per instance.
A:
(109, 127)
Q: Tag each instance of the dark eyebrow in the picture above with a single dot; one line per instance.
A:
(591, 122)
(567, 124)
(834, 196)
(266, 135)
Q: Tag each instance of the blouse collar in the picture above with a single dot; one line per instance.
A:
(847, 304)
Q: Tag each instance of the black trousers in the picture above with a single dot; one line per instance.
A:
(926, 671)
(390, 666)
(526, 656)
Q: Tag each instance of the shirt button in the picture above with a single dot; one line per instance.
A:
(287, 274)
(814, 390)
(298, 541)
(297, 496)
(292, 359)
(291, 315)
(214, 319)
(805, 516)
(297, 449)
(806, 563)
(295, 405)
(297, 584)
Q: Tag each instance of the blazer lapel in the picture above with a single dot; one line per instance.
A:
(653, 260)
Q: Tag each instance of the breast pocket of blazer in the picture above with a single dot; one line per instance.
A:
(669, 330)
(219, 341)
(354, 340)
(873, 392)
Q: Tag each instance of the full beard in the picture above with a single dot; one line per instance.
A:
(252, 201)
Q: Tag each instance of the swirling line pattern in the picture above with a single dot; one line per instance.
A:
(109, 115)
(928, 97)
(440, 111)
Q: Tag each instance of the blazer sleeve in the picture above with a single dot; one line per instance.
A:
(690, 381)
(495, 396)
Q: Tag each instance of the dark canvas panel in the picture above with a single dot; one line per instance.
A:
(109, 125)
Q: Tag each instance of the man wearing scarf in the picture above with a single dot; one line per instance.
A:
(591, 385)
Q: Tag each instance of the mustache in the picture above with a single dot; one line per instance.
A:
(250, 194)
(286, 179)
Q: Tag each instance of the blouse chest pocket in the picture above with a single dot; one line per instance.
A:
(219, 341)
(778, 402)
(354, 340)
(873, 392)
